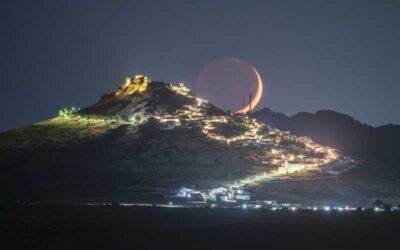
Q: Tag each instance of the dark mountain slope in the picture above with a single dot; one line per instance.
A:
(379, 145)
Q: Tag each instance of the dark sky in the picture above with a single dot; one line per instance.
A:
(311, 54)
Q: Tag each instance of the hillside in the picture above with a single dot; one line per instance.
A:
(128, 140)
(148, 138)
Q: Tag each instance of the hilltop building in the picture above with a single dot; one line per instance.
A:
(137, 83)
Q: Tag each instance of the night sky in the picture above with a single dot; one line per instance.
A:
(311, 55)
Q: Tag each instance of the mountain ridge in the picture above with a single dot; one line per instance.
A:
(375, 144)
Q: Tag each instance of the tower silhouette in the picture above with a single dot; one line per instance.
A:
(250, 96)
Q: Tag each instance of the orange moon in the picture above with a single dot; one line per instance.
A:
(257, 96)
(227, 82)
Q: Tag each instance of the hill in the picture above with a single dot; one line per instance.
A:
(129, 140)
(147, 138)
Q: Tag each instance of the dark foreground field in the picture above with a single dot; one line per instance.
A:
(107, 227)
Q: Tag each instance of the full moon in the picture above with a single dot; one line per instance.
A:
(227, 82)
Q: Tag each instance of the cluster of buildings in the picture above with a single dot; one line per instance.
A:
(180, 88)
(222, 197)
(138, 83)
(279, 152)
(217, 194)
(282, 153)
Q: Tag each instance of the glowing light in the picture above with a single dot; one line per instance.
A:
(68, 112)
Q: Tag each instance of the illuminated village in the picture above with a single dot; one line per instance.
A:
(280, 154)
(300, 155)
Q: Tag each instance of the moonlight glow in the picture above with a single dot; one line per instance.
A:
(227, 83)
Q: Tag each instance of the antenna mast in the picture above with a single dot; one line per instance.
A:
(250, 103)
